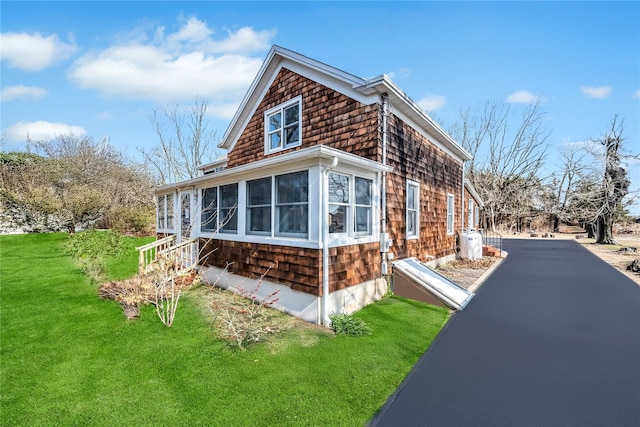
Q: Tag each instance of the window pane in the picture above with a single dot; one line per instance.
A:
(292, 219)
(161, 207)
(275, 140)
(291, 115)
(259, 192)
(292, 135)
(411, 223)
(274, 122)
(338, 188)
(337, 219)
(292, 188)
(411, 197)
(169, 210)
(209, 209)
(259, 219)
(363, 191)
(228, 213)
(363, 220)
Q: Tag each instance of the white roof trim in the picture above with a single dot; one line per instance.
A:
(292, 160)
(220, 161)
(374, 86)
(472, 190)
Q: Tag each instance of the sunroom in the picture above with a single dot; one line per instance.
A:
(312, 199)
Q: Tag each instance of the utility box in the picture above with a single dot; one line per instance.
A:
(471, 246)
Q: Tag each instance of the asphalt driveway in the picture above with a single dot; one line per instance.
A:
(552, 338)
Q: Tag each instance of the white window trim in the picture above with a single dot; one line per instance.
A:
(451, 208)
(281, 108)
(415, 185)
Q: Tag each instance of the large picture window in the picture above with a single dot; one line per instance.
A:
(413, 211)
(282, 126)
(450, 210)
(259, 206)
(292, 204)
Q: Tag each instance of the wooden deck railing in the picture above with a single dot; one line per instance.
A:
(184, 254)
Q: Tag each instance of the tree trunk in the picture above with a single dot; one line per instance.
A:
(604, 230)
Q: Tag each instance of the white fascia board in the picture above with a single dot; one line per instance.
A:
(220, 161)
(318, 154)
(414, 115)
(471, 189)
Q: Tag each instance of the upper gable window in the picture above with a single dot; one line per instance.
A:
(282, 126)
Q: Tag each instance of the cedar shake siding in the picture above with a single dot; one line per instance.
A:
(328, 118)
(299, 268)
(414, 157)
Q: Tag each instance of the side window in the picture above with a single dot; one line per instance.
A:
(259, 206)
(161, 211)
(169, 211)
(282, 126)
(364, 204)
(450, 212)
(471, 224)
(413, 211)
(338, 203)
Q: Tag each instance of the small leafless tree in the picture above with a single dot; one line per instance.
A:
(506, 161)
(185, 141)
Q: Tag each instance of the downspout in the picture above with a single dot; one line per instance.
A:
(325, 239)
(462, 204)
(383, 194)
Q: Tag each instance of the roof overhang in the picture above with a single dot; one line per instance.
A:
(472, 190)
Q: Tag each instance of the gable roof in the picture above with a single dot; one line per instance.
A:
(366, 91)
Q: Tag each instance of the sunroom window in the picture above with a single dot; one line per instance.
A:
(219, 209)
(338, 203)
(165, 211)
(259, 206)
(292, 204)
(363, 205)
(282, 126)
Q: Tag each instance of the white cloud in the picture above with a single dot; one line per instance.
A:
(524, 97)
(432, 102)
(10, 93)
(178, 66)
(596, 92)
(34, 52)
(636, 94)
(40, 130)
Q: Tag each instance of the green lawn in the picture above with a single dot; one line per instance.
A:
(69, 358)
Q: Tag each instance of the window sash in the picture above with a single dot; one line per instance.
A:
(259, 206)
(169, 214)
(292, 204)
(450, 209)
(161, 211)
(209, 215)
(227, 212)
(413, 201)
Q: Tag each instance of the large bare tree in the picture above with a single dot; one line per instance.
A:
(185, 141)
(614, 186)
(508, 154)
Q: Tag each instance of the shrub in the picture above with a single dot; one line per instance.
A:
(91, 248)
(346, 324)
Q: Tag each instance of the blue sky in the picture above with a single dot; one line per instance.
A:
(99, 68)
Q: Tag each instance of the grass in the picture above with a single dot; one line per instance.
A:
(70, 358)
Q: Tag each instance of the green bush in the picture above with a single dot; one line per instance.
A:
(346, 324)
(91, 248)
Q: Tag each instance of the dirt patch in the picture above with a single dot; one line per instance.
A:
(466, 272)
